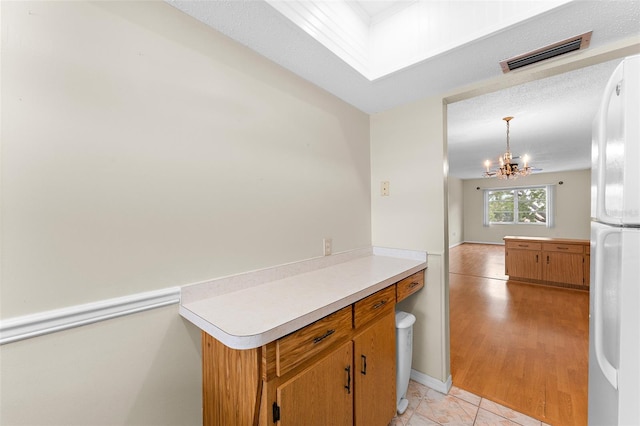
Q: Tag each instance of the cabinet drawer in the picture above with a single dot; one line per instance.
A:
(295, 348)
(564, 248)
(526, 245)
(409, 285)
(377, 304)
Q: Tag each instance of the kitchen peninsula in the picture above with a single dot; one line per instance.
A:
(294, 342)
(559, 262)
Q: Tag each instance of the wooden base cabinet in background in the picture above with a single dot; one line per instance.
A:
(522, 259)
(587, 265)
(559, 262)
(564, 263)
(339, 370)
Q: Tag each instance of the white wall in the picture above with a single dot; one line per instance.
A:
(140, 151)
(142, 369)
(456, 211)
(571, 207)
(407, 150)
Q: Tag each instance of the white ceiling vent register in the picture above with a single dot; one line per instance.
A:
(560, 48)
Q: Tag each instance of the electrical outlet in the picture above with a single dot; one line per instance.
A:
(384, 188)
(326, 243)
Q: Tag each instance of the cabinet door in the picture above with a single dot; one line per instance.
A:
(375, 373)
(523, 264)
(321, 395)
(565, 268)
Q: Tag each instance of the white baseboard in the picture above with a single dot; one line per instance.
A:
(483, 242)
(433, 383)
(40, 323)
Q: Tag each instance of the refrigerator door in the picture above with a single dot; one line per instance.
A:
(615, 151)
(604, 325)
(614, 332)
(629, 369)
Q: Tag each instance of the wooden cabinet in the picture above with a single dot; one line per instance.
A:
(587, 266)
(339, 389)
(375, 373)
(232, 383)
(299, 346)
(522, 259)
(409, 285)
(564, 263)
(558, 262)
(340, 370)
(323, 392)
(374, 306)
(353, 384)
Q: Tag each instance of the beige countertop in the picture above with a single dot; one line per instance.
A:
(249, 310)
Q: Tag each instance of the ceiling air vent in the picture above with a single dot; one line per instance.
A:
(560, 48)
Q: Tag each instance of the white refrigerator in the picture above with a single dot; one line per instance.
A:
(614, 315)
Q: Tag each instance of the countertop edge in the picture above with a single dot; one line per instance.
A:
(274, 333)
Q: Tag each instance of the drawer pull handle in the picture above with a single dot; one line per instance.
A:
(348, 385)
(324, 336)
(364, 365)
(380, 304)
(414, 284)
(523, 245)
(562, 248)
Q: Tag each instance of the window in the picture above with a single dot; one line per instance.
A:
(524, 205)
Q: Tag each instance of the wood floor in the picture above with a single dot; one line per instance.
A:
(521, 345)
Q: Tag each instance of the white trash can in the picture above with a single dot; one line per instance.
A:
(404, 348)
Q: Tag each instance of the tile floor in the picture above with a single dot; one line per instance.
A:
(428, 407)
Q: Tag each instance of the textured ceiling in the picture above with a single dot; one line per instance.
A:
(552, 123)
(552, 118)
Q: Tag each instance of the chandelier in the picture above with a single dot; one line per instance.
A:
(508, 168)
